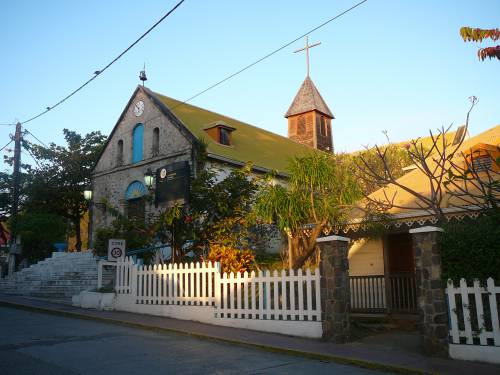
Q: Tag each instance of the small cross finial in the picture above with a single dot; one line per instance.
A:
(307, 48)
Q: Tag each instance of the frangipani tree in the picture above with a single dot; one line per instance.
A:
(320, 192)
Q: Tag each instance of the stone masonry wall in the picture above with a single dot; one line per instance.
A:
(335, 290)
(111, 180)
(430, 291)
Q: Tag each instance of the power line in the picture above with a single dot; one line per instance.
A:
(99, 72)
(36, 138)
(1, 149)
(270, 54)
(33, 157)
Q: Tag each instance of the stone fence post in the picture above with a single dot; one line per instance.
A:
(433, 320)
(335, 293)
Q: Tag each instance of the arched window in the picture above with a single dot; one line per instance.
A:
(137, 143)
(136, 202)
(119, 153)
(156, 142)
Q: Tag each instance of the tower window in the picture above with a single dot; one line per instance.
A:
(119, 153)
(156, 142)
(324, 129)
(301, 125)
(137, 143)
(293, 126)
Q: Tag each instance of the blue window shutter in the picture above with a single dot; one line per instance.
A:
(137, 143)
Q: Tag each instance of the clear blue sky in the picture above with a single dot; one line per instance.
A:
(399, 66)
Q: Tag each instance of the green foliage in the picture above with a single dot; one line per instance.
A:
(39, 232)
(395, 159)
(470, 248)
(62, 173)
(321, 191)
(221, 210)
(135, 233)
(218, 215)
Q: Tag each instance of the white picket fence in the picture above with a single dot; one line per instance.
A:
(265, 295)
(286, 302)
(172, 284)
(474, 321)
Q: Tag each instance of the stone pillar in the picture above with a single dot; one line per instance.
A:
(335, 293)
(433, 320)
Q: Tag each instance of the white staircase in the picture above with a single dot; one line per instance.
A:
(58, 277)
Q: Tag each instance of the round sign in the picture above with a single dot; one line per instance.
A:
(116, 252)
(163, 173)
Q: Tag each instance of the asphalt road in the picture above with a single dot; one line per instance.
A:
(36, 343)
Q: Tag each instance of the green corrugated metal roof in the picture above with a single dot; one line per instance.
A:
(249, 143)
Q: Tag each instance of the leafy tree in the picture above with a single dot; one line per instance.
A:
(436, 165)
(470, 248)
(470, 34)
(61, 176)
(134, 232)
(39, 232)
(321, 191)
(217, 216)
(396, 159)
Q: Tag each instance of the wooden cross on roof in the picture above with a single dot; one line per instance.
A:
(307, 48)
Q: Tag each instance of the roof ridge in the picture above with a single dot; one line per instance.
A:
(231, 118)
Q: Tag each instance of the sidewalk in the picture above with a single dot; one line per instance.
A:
(372, 354)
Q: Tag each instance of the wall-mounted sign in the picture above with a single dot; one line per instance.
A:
(172, 182)
(116, 250)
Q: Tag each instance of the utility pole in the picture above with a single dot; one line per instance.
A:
(15, 200)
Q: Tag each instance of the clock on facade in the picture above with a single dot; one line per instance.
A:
(139, 108)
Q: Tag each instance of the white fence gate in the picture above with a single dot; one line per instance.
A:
(474, 321)
(286, 302)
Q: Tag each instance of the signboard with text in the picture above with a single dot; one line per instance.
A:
(116, 250)
(172, 182)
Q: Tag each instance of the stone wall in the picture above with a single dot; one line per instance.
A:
(110, 179)
(335, 289)
(433, 317)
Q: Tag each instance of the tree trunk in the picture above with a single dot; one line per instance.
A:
(308, 246)
(78, 234)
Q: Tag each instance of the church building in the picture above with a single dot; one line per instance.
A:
(152, 149)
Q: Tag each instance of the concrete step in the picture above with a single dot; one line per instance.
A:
(60, 276)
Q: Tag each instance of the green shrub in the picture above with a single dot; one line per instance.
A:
(39, 232)
(470, 248)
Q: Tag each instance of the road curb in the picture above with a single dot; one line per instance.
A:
(270, 348)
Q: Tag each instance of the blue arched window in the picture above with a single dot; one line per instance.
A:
(137, 143)
(135, 190)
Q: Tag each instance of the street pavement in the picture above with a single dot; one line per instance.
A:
(37, 343)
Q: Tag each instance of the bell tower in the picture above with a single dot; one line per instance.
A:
(309, 118)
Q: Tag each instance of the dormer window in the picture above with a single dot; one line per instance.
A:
(220, 132)
(483, 157)
(224, 136)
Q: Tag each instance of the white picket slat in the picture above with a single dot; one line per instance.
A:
(492, 292)
(483, 333)
(275, 295)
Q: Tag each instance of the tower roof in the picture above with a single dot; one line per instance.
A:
(308, 99)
